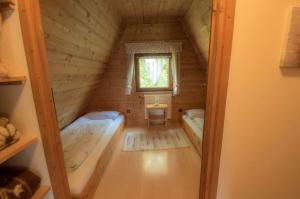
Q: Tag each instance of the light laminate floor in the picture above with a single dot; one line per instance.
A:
(161, 174)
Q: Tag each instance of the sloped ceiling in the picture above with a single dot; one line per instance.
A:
(152, 11)
(195, 16)
(197, 23)
(79, 36)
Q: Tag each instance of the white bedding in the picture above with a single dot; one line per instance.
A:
(79, 178)
(80, 138)
(195, 113)
(196, 124)
(199, 122)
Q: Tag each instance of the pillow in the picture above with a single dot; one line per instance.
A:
(102, 115)
(195, 113)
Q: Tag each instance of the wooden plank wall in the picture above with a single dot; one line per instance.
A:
(111, 94)
(197, 24)
(80, 35)
(154, 11)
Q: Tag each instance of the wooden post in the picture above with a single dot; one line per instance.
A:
(218, 73)
(37, 60)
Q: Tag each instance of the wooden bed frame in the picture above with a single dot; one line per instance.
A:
(196, 141)
(91, 186)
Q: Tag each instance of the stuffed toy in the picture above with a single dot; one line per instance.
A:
(8, 133)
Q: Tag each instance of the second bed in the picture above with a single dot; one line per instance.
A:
(193, 122)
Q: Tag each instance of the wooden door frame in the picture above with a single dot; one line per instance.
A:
(37, 60)
(218, 72)
(223, 12)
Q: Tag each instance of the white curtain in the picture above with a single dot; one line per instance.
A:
(154, 67)
(130, 74)
(176, 72)
(154, 47)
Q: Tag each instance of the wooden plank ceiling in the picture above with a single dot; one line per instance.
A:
(80, 36)
(197, 22)
(152, 11)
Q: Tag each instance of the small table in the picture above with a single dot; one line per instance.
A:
(163, 107)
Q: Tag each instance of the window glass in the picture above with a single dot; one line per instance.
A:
(154, 72)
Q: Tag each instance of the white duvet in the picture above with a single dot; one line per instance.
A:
(80, 138)
(195, 113)
(199, 122)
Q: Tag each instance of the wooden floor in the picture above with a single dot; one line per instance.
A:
(161, 174)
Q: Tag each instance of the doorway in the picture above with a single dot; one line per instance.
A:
(217, 84)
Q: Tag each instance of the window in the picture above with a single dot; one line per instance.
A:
(153, 72)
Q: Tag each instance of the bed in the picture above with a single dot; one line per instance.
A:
(193, 126)
(85, 173)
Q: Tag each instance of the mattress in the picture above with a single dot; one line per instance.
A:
(80, 177)
(196, 124)
(80, 138)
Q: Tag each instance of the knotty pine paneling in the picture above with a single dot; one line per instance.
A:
(111, 93)
(154, 11)
(80, 36)
(197, 24)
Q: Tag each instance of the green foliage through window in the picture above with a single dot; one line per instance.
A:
(154, 72)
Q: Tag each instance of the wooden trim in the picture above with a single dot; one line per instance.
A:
(37, 60)
(12, 80)
(137, 74)
(23, 143)
(218, 74)
(41, 192)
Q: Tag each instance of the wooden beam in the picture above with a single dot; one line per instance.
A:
(37, 60)
(218, 73)
(41, 192)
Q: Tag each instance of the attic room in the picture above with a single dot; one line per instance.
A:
(86, 47)
(138, 99)
(97, 52)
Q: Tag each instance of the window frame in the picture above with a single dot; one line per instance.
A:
(137, 72)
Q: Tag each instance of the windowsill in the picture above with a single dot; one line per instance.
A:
(154, 92)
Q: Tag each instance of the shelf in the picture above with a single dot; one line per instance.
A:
(156, 106)
(12, 80)
(7, 5)
(41, 192)
(24, 142)
(156, 117)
